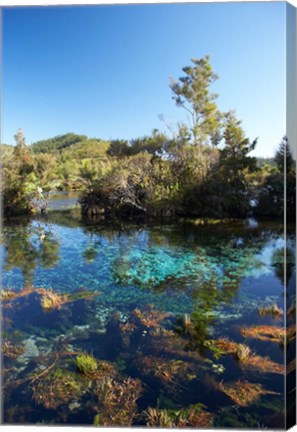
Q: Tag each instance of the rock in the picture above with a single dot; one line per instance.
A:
(31, 349)
(74, 405)
(81, 328)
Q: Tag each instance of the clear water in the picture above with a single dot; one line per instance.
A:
(214, 276)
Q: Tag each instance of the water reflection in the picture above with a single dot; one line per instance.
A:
(29, 246)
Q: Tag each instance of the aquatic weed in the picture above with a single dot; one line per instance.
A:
(243, 393)
(269, 333)
(117, 401)
(56, 388)
(12, 351)
(86, 364)
(273, 310)
(247, 358)
(194, 416)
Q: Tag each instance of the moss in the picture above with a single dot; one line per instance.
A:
(86, 364)
(93, 368)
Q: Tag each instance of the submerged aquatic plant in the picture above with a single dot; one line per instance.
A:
(52, 300)
(158, 417)
(9, 295)
(168, 371)
(117, 401)
(243, 353)
(247, 358)
(264, 364)
(57, 388)
(150, 318)
(269, 333)
(86, 364)
(48, 298)
(243, 393)
(273, 310)
(225, 346)
(93, 368)
(12, 351)
(194, 416)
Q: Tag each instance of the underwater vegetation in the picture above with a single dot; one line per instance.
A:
(194, 416)
(117, 401)
(166, 370)
(93, 368)
(273, 310)
(9, 294)
(243, 393)
(86, 364)
(48, 298)
(52, 300)
(11, 350)
(247, 358)
(56, 388)
(150, 318)
(269, 333)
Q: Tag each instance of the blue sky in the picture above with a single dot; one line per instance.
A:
(104, 71)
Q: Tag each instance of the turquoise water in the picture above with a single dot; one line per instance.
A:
(203, 282)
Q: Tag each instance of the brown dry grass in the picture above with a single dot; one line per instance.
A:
(265, 365)
(273, 310)
(226, 346)
(264, 333)
(270, 333)
(247, 358)
(8, 295)
(50, 300)
(243, 393)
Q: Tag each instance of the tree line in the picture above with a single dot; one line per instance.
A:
(202, 167)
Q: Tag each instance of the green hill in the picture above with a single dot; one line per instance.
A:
(58, 142)
(71, 146)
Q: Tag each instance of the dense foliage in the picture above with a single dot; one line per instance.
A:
(203, 168)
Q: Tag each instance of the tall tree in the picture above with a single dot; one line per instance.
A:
(235, 166)
(192, 93)
(283, 156)
(20, 138)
